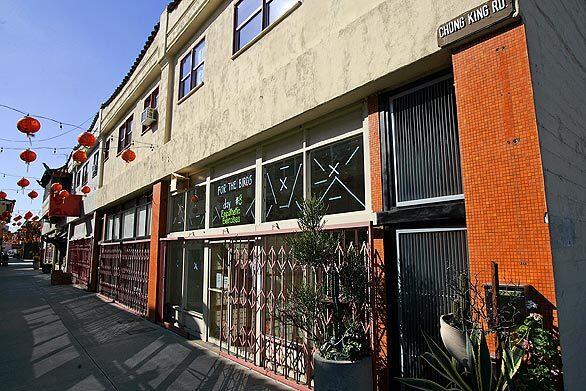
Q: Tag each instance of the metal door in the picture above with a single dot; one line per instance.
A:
(430, 262)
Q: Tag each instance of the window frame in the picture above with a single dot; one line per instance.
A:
(118, 214)
(125, 134)
(191, 76)
(266, 25)
(150, 101)
(96, 165)
(106, 149)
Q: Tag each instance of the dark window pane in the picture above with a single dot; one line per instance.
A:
(283, 188)
(232, 200)
(337, 175)
(196, 208)
(194, 260)
(173, 281)
(250, 30)
(177, 213)
(155, 99)
(184, 87)
(278, 8)
(198, 76)
(245, 8)
(185, 66)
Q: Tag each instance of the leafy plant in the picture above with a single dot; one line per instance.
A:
(542, 366)
(330, 311)
(479, 373)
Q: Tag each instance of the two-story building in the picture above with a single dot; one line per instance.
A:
(442, 137)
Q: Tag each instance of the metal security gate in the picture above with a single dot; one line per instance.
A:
(79, 260)
(123, 273)
(249, 281)
(430, 262)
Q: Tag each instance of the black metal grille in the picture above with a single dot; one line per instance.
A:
(429, 265)
(425, 136)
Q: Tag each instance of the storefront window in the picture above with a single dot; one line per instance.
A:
(116, 227)
(194, 262)
(141, 221)
(177, 213)
(128, 224)
(283, 188)
(232, 200)
(196, 208)
(173, 281)
(337, 175)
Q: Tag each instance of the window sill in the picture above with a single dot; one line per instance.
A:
(184, 98)
(266, 30)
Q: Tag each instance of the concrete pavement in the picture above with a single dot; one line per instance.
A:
(62, 338)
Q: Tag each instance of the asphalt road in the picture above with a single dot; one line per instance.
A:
(62, 338)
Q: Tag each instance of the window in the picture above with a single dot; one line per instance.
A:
(283, 188)
(253, 16)
(107, 149)
(425, 143)
(125, 135)
(84, 174)
(232, 200)
(177, 213)
(196, 208)
(96, 164)
(151, 101)
(128, 224)
(130, 221)
(192, 69)
(77, 179)
(337, 175)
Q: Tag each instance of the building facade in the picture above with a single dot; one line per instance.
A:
(429, 130)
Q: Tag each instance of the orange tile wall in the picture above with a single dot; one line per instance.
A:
(501, 163)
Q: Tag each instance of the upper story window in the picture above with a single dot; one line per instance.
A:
(125, 135)
(84, 174)
(253, 16)
(107, 149)
(151, 101)
(95, 165)
(424, 136)
(191, 72)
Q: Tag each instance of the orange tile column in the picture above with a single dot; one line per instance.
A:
(379, 310)
(501, 164)
(158, 229)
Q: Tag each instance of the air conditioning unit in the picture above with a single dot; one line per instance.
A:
(179, 183)
(148, 116)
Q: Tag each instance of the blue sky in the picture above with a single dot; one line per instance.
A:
(62, 59)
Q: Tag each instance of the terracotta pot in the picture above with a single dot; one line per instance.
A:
(454, 339)
(331, 375)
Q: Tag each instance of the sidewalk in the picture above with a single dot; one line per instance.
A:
(62, 338)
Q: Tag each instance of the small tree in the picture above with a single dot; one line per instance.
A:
(331, 310)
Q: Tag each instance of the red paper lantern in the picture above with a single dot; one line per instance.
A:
(63, 194)
(56, 187)
(3, 195)
(28, 156)
(28, 125)
(79, 156)
(28, 215)
(86, 189)
(23, 182)
(33, 194)
(194, 198)
(128, 155)
(87, 139)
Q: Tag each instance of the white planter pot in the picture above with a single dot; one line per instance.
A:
(454, 339)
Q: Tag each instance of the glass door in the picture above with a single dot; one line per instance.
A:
(174, 284)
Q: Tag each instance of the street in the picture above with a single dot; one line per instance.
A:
(63, 338)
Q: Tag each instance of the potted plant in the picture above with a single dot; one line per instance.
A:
(334, 307)
(455, 326)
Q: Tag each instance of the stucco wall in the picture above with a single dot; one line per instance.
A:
(304, 67)
(556, 35)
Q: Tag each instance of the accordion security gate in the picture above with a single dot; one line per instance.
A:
(123, 273)
(79, 260)
(249, 281)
